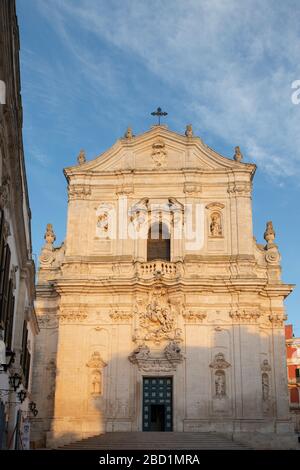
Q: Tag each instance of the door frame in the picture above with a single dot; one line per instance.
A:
(159, 377)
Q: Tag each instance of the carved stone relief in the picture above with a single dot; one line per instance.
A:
(167, 362)
(120, 316)
(104, 222)
(240, 189)
(78, 191)
(156, 320)
(277, 320)
(47, 321)
(219, 362)
(159, 153)
(194, 316)
(66, 315)
(245, 315)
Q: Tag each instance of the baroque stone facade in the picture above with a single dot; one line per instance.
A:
(206, 315)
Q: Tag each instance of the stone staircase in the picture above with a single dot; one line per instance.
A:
(156, 441)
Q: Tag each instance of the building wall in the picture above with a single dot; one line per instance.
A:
(15, 209)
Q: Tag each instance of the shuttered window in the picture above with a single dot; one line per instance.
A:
(4, 285)
(25, 359)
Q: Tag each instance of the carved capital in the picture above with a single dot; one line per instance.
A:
(240, 189)
(72, 316)
(192, 316)
(277, 319)
(245, 315)
(120, 316)
(79, 191)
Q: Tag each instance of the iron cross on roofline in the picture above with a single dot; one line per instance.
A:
(159, 113)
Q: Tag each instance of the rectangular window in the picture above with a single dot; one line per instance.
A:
(298, 373)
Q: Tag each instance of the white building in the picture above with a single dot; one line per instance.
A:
(18, 325)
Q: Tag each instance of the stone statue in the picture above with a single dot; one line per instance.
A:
(49, 235)
(81, 157)
(128, 134)
(96, 383)
(102, 222)
(220, 384)
(238, 157)
(269, 234)
(189, 130)
(265, 387)
(215, 225)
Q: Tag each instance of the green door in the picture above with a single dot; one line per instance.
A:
(157, 404)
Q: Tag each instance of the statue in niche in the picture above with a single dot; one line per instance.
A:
(265, 387)
(103, 222)
(220, 384)
(96, 383)
(215, 225)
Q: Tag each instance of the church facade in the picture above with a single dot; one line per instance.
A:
(160, 311)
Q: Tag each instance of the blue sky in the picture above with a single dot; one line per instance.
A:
(90, 68)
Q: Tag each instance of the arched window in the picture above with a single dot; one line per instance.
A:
(158, 244)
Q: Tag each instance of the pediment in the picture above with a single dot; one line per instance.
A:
(158, 150)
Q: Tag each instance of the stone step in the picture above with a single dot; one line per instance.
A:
(155, 441)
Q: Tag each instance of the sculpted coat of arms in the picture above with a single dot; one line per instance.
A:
(157, 320)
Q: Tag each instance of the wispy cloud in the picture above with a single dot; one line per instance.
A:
(229, 63)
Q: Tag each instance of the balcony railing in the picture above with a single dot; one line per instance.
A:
(159, 267)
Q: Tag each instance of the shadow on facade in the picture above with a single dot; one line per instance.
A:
(235, 382)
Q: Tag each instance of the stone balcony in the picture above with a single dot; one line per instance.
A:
(152, 269)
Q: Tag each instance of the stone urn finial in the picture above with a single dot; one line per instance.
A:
(128, 134)
(269, 234)
(49, 235)
(238, 156)
(189, 130)
(81, 157)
